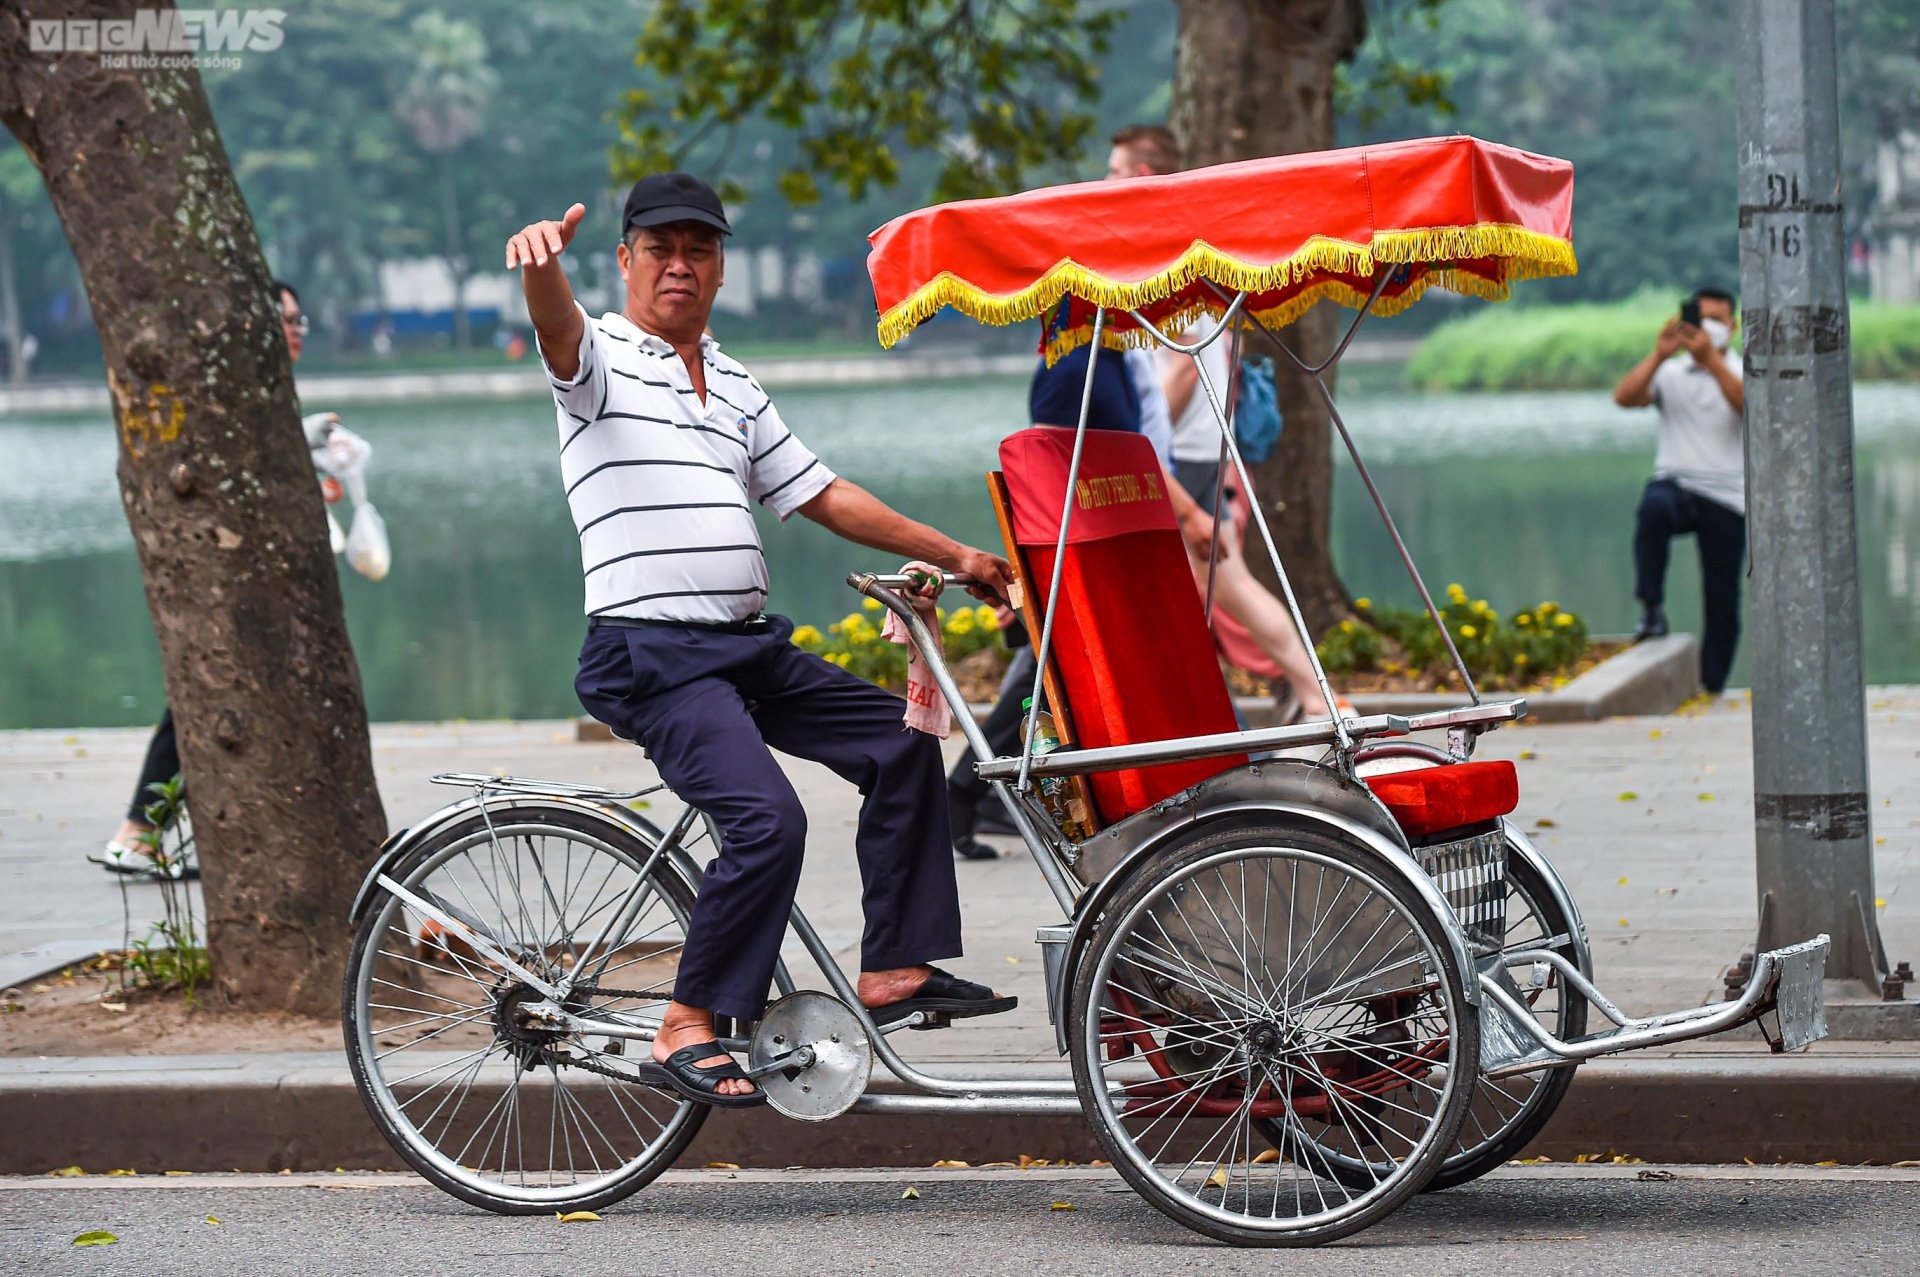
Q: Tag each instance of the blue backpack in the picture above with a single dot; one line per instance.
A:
(1256, 416)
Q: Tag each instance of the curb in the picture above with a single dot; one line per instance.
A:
(300, 1112)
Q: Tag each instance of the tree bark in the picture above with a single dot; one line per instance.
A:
(221, 497)
(1255, 78)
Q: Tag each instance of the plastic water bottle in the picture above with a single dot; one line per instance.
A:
(1054, 790)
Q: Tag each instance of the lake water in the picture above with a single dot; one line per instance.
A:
(1518, 497)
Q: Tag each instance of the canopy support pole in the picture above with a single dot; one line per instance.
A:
(1341, 733)
(1059, 558)
(1313, 372)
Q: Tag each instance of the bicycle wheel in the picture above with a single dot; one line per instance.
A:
(1271, 973)
(499, 1112)
(1508, 1112)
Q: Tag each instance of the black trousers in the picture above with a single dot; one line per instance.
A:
(162, 765)
(1666, 511)
(710, 706)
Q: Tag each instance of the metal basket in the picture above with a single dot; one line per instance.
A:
(1472, 874)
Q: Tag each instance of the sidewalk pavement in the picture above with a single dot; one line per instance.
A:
(1649, 819)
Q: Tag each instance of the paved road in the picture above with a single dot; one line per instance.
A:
(1706, 1220)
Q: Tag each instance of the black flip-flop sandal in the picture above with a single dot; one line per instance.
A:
(702, 1086)
(947, 996)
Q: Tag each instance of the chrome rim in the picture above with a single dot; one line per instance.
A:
(508, 1109)
(1273, 985)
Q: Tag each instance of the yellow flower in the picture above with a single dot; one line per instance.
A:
(1519, 660)
(1482, 607)
(1467, 631)
(1548, 608)
(1363, 604)
(985, 618)
(962, 622)
(1346, 627)
(1525, 618)
(1563, 620)
(870, 605)
(1455, 594)
(806, 634)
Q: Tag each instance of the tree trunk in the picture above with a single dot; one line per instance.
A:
(221, 497)
(10, 302)
(456, 260)
(1255, 78)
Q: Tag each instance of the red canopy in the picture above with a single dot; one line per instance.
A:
(1456, 211)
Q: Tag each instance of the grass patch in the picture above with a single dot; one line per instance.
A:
(1591, 346)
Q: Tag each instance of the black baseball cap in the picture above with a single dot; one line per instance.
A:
(660, 198)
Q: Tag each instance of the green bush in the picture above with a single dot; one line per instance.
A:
(854, 644)
(1538, 642)
(1589, 347)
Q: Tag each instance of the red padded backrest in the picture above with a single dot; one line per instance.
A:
(1130, 640)
(1427, 800)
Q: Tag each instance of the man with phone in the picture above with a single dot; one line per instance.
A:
(1699, 483)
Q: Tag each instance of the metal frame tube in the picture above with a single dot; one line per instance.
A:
(1074, 762)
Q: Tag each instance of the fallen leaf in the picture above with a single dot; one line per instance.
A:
(1026, 1161)
(1628, 796)
(1544, 823)
(720, 1166)
(1828, 1162)
(1266, 1157)
(1099, 1162)
(66, 1172)
(176, 1172)
(1218, 1179)
(121, 1172)
(909, 1194)
(1669, 891)
(214, 1220)
(577, 1217)
(1623, 922)
(1063, 1206)
(1527, 755)
(113, 1006)
(1905, 1166)
(1623, 882)
(1879, 902)
(949, 1164)
(1880, 841)
(98, 1237)
(1013, 960)
(1655, 734)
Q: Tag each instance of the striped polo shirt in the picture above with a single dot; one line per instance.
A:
(659, 483)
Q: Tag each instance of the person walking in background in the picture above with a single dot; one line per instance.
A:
(1699, 483)
(128, 851)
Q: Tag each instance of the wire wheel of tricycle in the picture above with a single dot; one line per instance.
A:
(1506, 1113)
(1272, 974)
(452, 1045)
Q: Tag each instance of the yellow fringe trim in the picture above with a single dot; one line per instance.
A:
(1529, 254)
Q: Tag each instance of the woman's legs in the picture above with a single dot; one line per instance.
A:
(162, 764)
(1237, 593)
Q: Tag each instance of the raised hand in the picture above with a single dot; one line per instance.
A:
(542, 242)
(1672, 337)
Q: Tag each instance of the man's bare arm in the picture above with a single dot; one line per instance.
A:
(849, 510)
(557, 321)
(1636, 388)
(1179, 378)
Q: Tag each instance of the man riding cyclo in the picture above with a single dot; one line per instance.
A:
(664, 439)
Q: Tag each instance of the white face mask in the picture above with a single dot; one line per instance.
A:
(1717, 332)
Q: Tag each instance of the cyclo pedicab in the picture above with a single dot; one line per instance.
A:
(1292, 993)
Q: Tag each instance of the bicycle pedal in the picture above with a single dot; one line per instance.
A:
(925, 1020)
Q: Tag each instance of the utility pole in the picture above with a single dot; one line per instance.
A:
(1812, 819)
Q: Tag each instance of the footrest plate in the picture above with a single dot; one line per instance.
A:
(1799, 995)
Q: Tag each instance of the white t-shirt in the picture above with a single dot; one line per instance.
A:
(1196, 435)
(1702, 436)
(1156, 423)
(659, 482)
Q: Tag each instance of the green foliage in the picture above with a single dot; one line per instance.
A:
(1540, 642)
(1384, 77)
(998, 89)
(1591, 346)
(173, 953)
(854, 643)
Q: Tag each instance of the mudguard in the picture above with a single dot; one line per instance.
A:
(400, 843)
(1289, 788)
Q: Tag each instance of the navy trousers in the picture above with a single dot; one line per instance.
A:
(710, 705)
(1668, 510)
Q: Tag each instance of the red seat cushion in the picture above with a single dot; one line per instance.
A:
(1130, 641)
(1427, 800)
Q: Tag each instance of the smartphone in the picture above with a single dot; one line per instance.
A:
(1690, 311)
